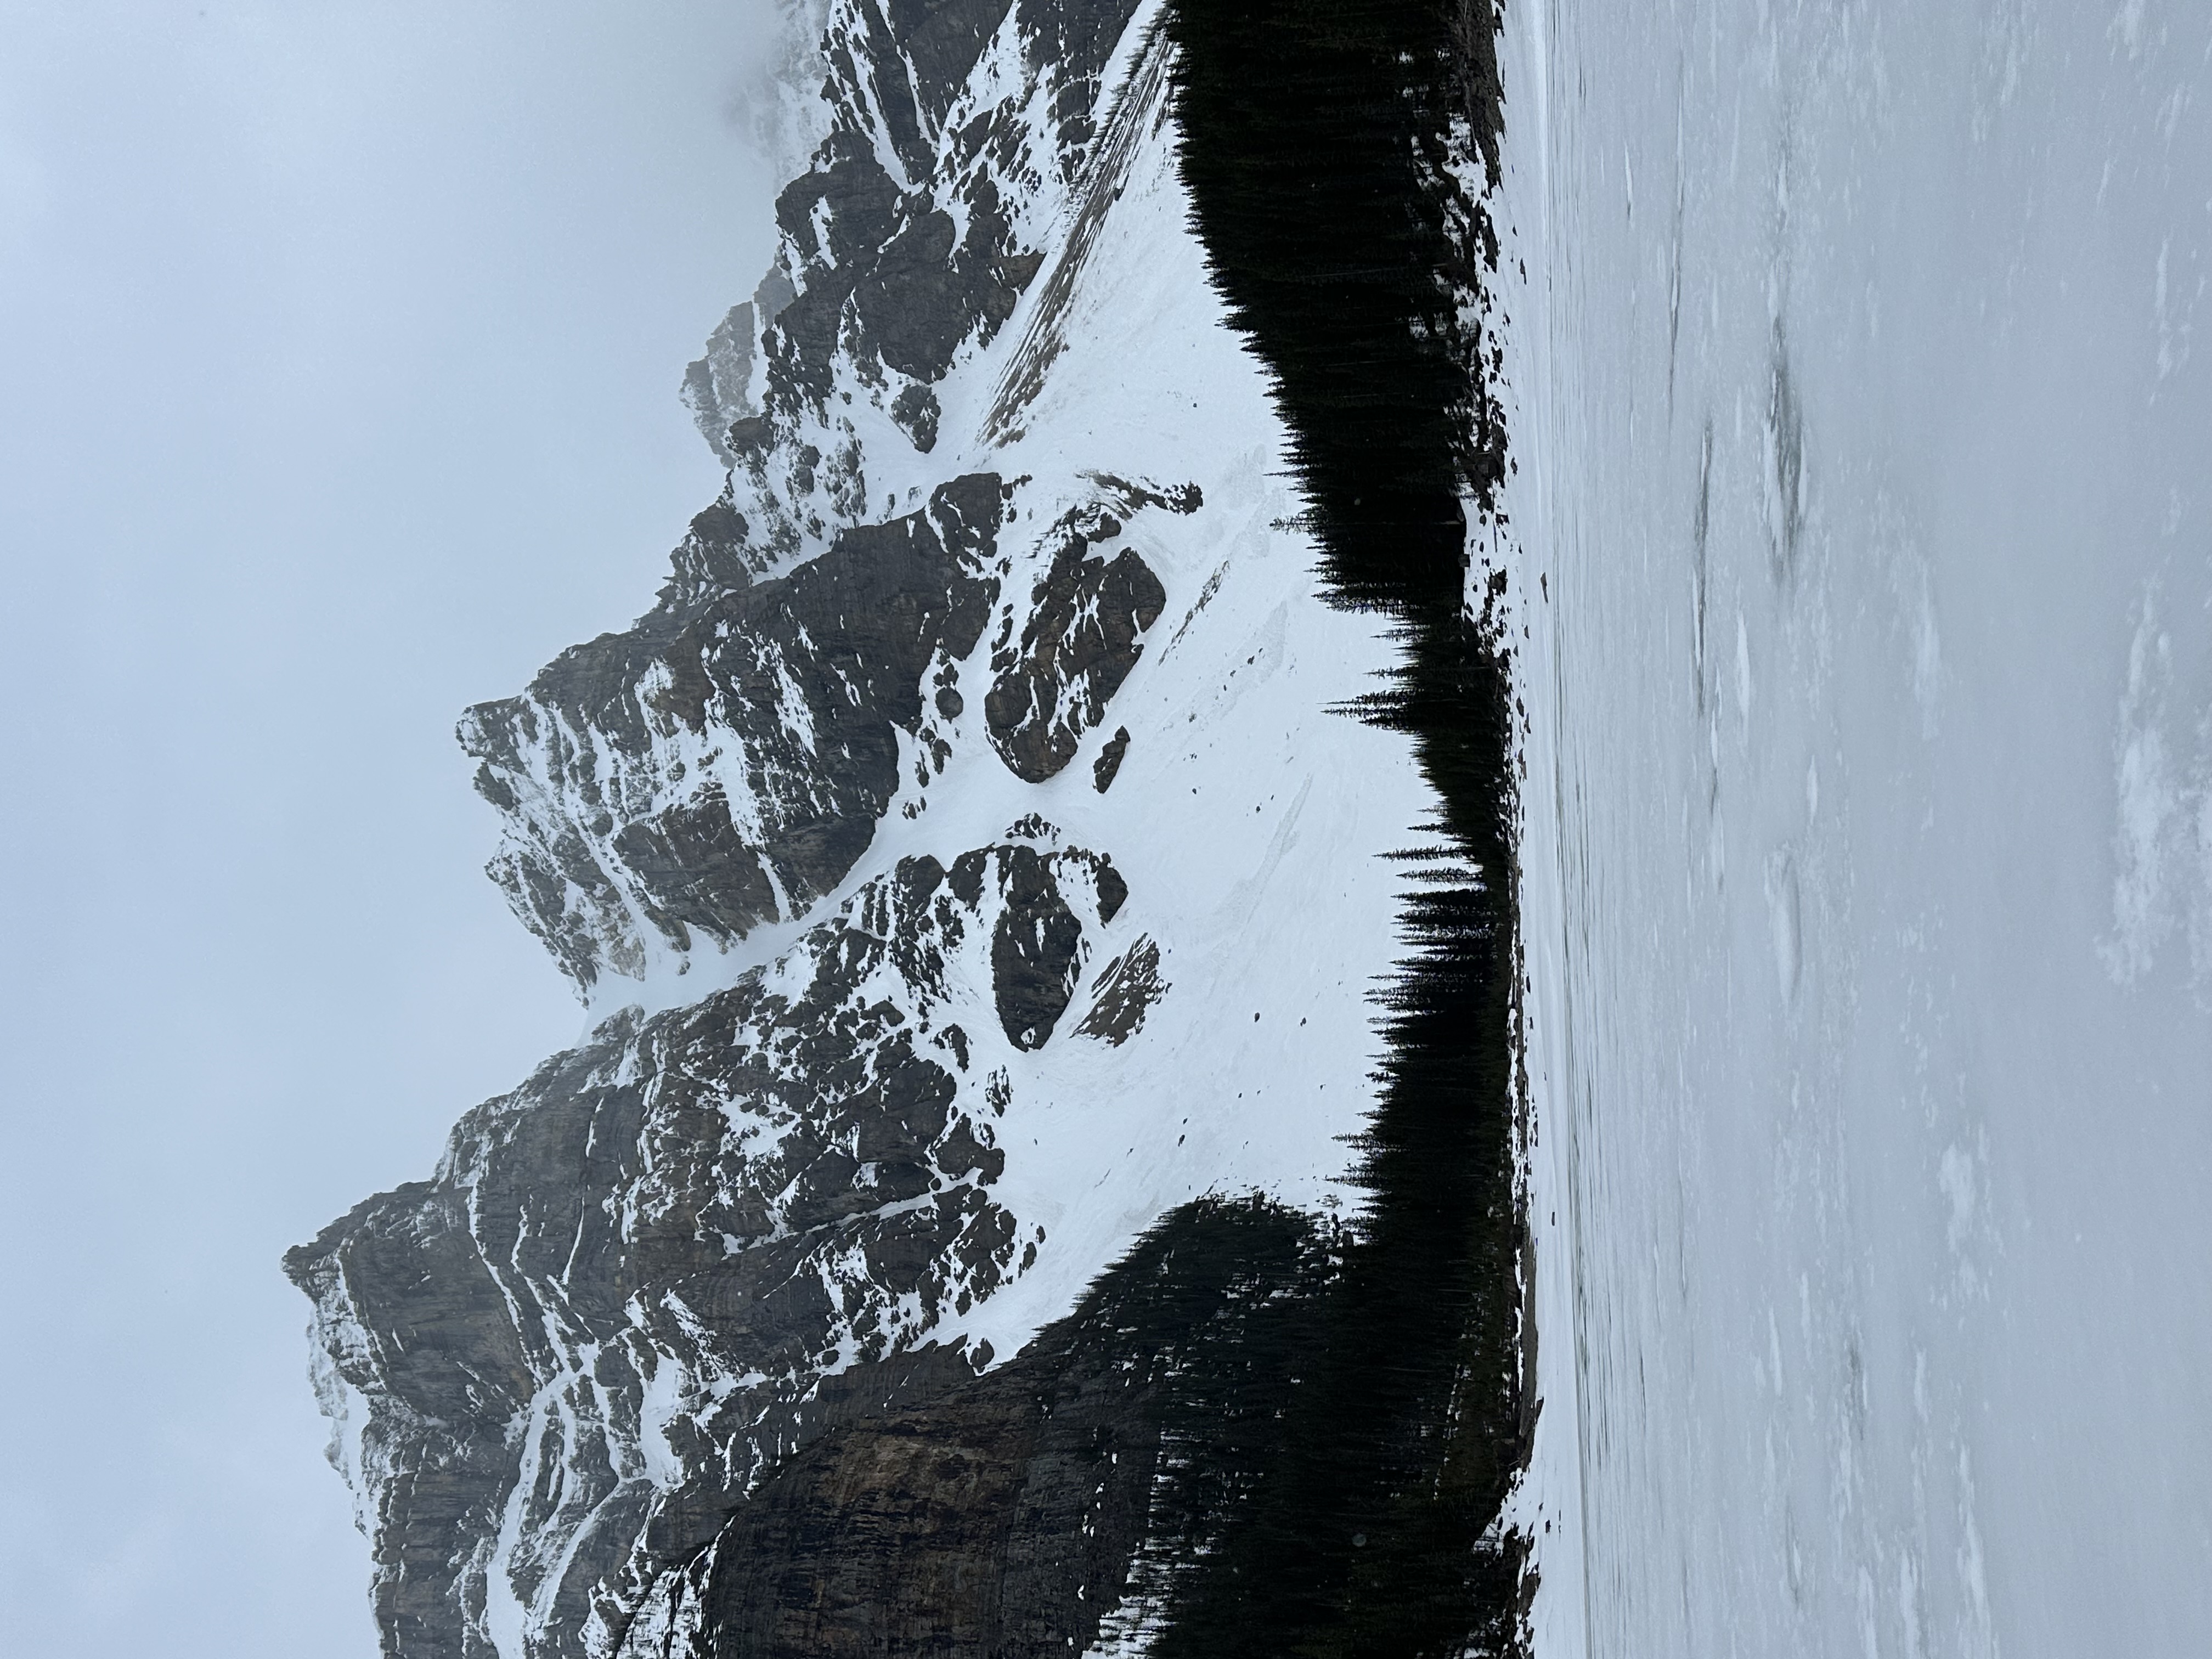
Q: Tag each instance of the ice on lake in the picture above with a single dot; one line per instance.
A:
(1863, 427)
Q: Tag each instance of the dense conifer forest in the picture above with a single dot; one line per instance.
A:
(1315, 140)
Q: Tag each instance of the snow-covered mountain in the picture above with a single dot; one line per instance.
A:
(979, 889)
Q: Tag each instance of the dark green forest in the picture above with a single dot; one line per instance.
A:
(1314, 139)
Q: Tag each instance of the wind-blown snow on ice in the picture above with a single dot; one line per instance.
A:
(1863, 514)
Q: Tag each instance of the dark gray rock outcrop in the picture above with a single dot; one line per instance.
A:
(1083, 633)
(1108, 766)
(955, 130)
(634, 1283)
(1027, 1513)
(1037, 948)
(717, 385)
(1126, 988)
(895, 273)
(723, 762)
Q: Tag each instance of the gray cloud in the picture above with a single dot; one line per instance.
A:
(343, 345)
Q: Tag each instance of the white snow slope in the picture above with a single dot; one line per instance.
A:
(1864, 504)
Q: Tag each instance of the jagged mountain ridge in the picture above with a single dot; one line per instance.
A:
(957, 134)
(971, 785)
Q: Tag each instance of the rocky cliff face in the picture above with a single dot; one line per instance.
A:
(975, 899)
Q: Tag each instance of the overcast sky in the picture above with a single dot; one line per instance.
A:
(341, 343)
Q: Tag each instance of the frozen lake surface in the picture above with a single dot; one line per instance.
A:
(1864, 500)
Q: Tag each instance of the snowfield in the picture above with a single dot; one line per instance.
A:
(1863, 525)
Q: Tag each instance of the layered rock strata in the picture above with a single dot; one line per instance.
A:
(974, 899)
